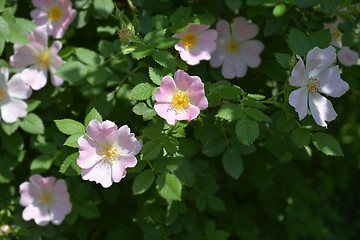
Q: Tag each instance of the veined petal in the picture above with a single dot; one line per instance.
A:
(39, 213)
(35, 77)
(223, 30)
(88, 156)
(126, 140)
(197, 95)
(17, 88)
(233, 67)
(102, 133)
(298, 76)
(60, 191)
(197, 28)
(331, 83)
(250, 52)
(13, 110)
(42, 183)
(100, 173)
(243, 30)
(318, 60)
(4, 75)
(43, 4)
(299, 100)
(321, 109)
(23, 56)
(166, 90)
(217, 58)
(183, 80)
(29, 194)
(164, 110)
(58, 210)
(348, 57)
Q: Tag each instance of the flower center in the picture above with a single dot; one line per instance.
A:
(109, 153)
(46, 198)
(123, 33)
(232, 46)
(2, 94)
(180, 101)
(313, 85)
(43, 59)
(54, 13)
(189, 41)
(336, 34)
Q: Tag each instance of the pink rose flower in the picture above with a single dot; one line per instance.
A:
(235, 51)
(318, 77)
(54, 16)
(346, 56)
(107, 152)
(196, 44)
(40, 58)
(11, 93)
(5, 229)
(180, 98)
(45, 200)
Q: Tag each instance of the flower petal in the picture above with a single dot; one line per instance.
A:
(217, 57)
(43, 183)
(17, 88)
(318, 60)
(197, 95)
(250, 53)
(233, 67)
(23, 56)
(331, 82)
(102, 133)
(55, 80)
(43, 4)
(348, 57)
(164, 110)
(35, 77)
(4, 75)
(29, 194)
(299, 100)
(242, 30)
(223, 31)
(126, 140)
(321, 109)
(58, 210)
(183, 80)
(100, 173)
(60, 191)
(40, 17)
(197, 28)
(87, 152)
(39, 213)
(13, 110)
(298, 76)
(166, 91)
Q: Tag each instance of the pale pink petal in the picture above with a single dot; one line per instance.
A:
(197, 95)
(28, 194)
(299, 100)
(13, 109)
(100, 173)
(60, 192)
(197, 28)
(127, 141)
(331, 82)
(164, 110)
(39, 37)
(250, 53)
(39, 213)
(35, 77)
(24, 55)
(233, 67)
(348, 57)
(117, 171)
(242, 30)
(43, 4)
(183, 80)
(298, 75)
(55, 80)
(102, 133)
(88, 156)
(223, 30)
(321, 109)
(17, 88)
(166, 91)
(58, 210)
(55, 47)
(43, 183)
(4, 75)
(40, 17)
(217, 58)
(318, 60)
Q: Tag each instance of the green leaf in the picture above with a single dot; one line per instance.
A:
(88, 57)
(40, 164)
(255, 96)
(143, 182)
(26, 26)
(72, 141)
(254, 2)
(327, 144)
(156, 34)
(155, 75)
(188, 147)
(321, 38)
(214, 147)
(142, 91)
(93, 114)
(143, 110)
(13, 143)
(153, 133)
(216, 203)
(104, 7)
(32, 124)
(231, 93)
(300, 137)
(106, 48)
(279, 10)
(230, 112)
(283, 59)
(72, 71)
(232, 163)
(170, 144)
(151, 149)
(233, 4)
(247, 130)
(298, 42)
(169, 186)
(32, 104)
(142, 51)
(69, 167)
(256, 114)
(69, 126)
(4, 29)
(88, 209)
(165, 59)
(181, 14)
(10, 128)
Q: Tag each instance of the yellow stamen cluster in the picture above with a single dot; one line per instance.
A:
(2, 94)
(46, 198)
(180, 101)
(43, 59)
(313, 85)
(109, 153)
(123, 33)
(55, 13)
(336, 34)
(189, 41)
(232, 46)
